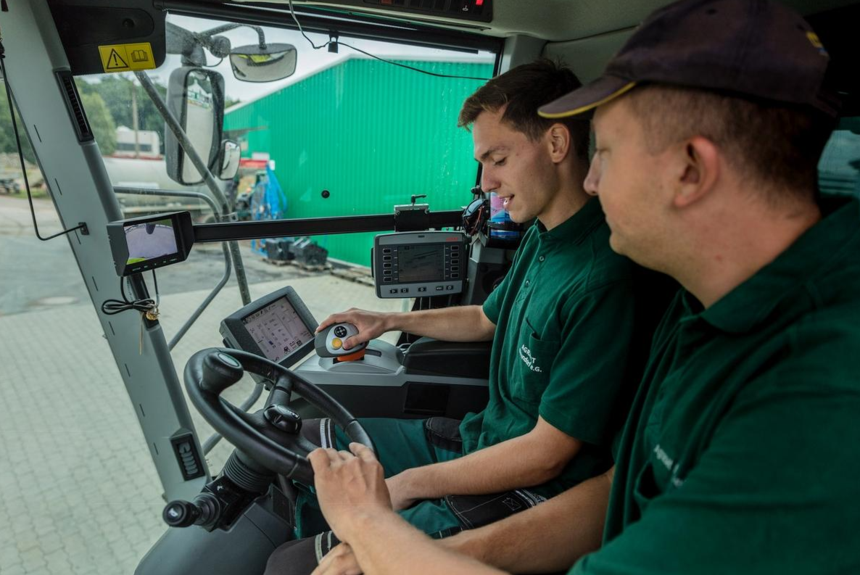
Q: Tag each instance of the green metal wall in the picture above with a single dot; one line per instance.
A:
(372, 134)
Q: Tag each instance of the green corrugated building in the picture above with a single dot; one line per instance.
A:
(370, 133)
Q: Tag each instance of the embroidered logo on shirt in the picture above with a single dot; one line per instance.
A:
(531, 362)
(670, 464)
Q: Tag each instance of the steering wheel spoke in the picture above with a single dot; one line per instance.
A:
(272, 436)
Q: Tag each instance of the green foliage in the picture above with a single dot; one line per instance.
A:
(101, 122)
(116, 92)
(7, 135)
(107, 102)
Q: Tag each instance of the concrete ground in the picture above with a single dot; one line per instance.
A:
(78, 491)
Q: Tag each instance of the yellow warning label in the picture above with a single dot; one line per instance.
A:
(127, 57)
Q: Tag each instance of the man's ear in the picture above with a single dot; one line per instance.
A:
(558, 140)
(698, 171)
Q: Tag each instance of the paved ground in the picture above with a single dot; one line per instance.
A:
(53, 278)
(78, 491)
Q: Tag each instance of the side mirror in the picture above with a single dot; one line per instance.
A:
(263, 64)
(195, 97)
(230, 153)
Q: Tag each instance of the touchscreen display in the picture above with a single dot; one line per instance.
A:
(150, 240)
(421, 263)
(277, 329)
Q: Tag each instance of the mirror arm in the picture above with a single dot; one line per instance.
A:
(203, 169)
(219, 29)
(206, 34)
(189, 44)
(261, 36)
(180, 40)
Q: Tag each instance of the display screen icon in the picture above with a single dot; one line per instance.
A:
(150, 240)
(277, 329)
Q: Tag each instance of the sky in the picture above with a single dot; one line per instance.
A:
(309, 60)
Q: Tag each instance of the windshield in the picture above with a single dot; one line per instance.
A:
(346, 134)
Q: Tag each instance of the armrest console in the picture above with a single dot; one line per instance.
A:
(428, 356)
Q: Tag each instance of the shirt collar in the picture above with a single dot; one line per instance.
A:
(575, 228)
(749, 304)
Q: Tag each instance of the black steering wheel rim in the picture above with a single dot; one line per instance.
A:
(253, 436)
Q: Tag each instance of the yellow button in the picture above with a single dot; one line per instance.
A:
(336, 343)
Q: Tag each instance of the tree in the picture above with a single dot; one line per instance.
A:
(101, 122)
(115, 91)
(106, 103)
(7, 135)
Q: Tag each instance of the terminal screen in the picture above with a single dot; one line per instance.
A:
(421, 263)
(150, 240)
(277, 329)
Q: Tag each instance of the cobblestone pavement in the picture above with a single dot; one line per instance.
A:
(78, 491)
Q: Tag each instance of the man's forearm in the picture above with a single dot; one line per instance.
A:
(463, 323)
(546, 538)
(387, 545)
(512, 464)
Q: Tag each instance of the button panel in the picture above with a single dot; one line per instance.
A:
(420, 290)
(436, 262)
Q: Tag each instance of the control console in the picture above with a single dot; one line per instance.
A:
(419, 264)
(375, 379)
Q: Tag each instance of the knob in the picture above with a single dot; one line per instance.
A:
(283, 418)
(205, 510)
(329, 342)
(220, 371)
(180, 513)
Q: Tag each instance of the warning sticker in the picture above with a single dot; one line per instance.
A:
(127, 57)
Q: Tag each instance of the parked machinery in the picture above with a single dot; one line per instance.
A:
(302, 251)
(308, 253)
(278, 250)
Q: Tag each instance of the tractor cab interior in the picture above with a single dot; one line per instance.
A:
(316, 133)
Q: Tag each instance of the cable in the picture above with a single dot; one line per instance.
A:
(82, 226)
(215, 65)
(146, 306)
(338, 42)
(296, 20)
(412, 67)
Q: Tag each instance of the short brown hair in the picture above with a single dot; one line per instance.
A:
(523, 90)
(773, 143)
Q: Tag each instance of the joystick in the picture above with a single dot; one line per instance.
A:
(329, 342)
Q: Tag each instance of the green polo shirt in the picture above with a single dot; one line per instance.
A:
(564, 320)
(742, 451)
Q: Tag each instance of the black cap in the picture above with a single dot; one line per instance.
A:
(754, 48)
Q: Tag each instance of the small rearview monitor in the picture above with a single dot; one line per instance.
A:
(149, 242)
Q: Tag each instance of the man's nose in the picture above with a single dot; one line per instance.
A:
(488, 182)
(592, 180)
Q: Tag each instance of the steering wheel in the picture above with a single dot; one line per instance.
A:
(270, 436)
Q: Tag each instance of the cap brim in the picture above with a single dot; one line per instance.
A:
(597, 93)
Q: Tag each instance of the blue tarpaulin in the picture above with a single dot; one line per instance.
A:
(269, 202)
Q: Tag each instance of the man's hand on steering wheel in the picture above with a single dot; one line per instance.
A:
(351, 488)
